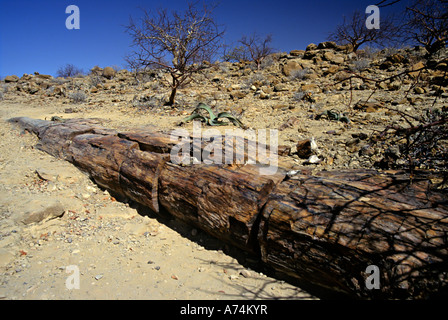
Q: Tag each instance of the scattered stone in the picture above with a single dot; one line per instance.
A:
(304, 148)
(279, 87)
(290, 67)
(416, 69)
(6, 257)
(46, 174)
(296, 53)
(37, 210)
(368, 106)
(264, 95)
(12, 78)
(327, 45)
(396, 58)
(246, 273)
(311, 47)
(333, 57)
(313, 160)
(419, 90)
(108, 72)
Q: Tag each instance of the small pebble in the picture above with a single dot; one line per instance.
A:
(246, 273)
(98, 277)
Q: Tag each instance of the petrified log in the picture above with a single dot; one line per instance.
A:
(324, 229)
(330, 228)
(222, 201)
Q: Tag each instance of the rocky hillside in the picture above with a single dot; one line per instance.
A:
(323, 93)
(330, 107)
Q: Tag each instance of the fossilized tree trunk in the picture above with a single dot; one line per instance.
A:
(323, 229)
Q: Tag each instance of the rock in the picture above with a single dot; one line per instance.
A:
(12, 78)
(33, 88)
(290, 67)
(37, 210)
(311, 87)
(47, 175)
(5, 257)
(368, 106)
(59, 91)
(311, 47)
(333, 58)
(108, 72)
(347, 48)
(333, 69)
(291, 122)
(352, 142)
(367, 150)
(442, 66)
(417, 66)
(394, 86)
(280, 87)
(26, 77)
(233, 277)
(310, 54)
(386, 65)
(304, 148)
(396, 58)
(419, 90)
(246, 273)
(280, 106)
(96, 70)
(327, 45)
(296, 53)
(238, 94)
(313, 160)
(264, 95)
(44, 76)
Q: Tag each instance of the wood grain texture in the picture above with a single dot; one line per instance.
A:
(323, 229)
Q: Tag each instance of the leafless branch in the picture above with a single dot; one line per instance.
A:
(176, 42)
(257, 48)
(353, 31)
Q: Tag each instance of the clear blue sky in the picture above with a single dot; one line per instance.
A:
(33, 36)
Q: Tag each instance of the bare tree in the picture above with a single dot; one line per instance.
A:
(353, 31)
(257, 48)
(235, 54)
(176, 42)
(69, 70)
(427, 23)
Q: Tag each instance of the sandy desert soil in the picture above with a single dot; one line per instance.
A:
(121, 252)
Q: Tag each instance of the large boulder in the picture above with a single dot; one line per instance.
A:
(108, 72)
(290, 67)
(39, 209)
(327, 45)
(311, 47)
(12, 78)
(333, 58)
